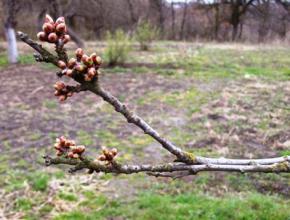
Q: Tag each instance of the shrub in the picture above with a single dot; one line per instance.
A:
(145, 34)
(118, 47)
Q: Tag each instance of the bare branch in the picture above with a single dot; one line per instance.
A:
(139, 122)
(155, 170)
(191, 164)
(46, 56)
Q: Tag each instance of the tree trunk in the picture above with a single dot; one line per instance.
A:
(217, 21)
(10, 23)
(172, 21)
(12, 45)
(181, 35)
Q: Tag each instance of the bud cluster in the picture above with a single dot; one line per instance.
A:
(82, 64)
(108, 155)
(63, 91)
(68, 147)
(54, 32)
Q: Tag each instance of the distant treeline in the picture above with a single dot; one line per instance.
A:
(220, 20)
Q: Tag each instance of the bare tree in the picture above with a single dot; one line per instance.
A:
(181, 33)
(84, 70)
(157, 8)
(238, 9)
(10, 22)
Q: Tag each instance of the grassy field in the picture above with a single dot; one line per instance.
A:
(228, 100)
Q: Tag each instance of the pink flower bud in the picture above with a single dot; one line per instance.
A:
(79, 149)
(61, 64)
(42, 36)
(79, 53)
(88, 78)
(52, 38)
(69, 73)
(87, 60)
(62, 98)
(102, 158)
(91, 72)
(71, 63)
(79, 68)
(47, 28)
(48, 19)
(70, 154)
(59, 85)
(114, 151)
(58, 153)
(59, 20)
(60, 28)
(96, 59)
(76, 156)
(66, 38)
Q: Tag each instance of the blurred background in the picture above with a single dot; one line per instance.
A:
(211, 76)
(218, 20)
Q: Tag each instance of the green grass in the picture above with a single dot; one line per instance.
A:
(23, 59)
(39, 181)
(23, 204)
(68, 196)
(166, 199)
(151, 206)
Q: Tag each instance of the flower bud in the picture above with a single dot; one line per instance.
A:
(96, 59)
(47, 28)
(62, 98)
(79, 68)
(87, 60)
(59, 20)
(84, 58)
(79, 149)
(91, 72)
(69, 73)
(48, 19)
(114, 151)
(60, 28)
(72, 143)
(68, 143)
(79, 53)
(76, 156)
(58, 153)
(52, 38)
(57, 93)
(102, 158)
(61, 140)
(70, 154)
(71, 63)
(88, 78)
(59, 86)
(57, 146)
(61, 64)
(41, 36)
(66, 38)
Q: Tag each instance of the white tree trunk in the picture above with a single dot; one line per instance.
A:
(12, 45)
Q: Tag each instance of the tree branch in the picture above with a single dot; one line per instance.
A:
(46, 56)
(190, 162)
(117, 168)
